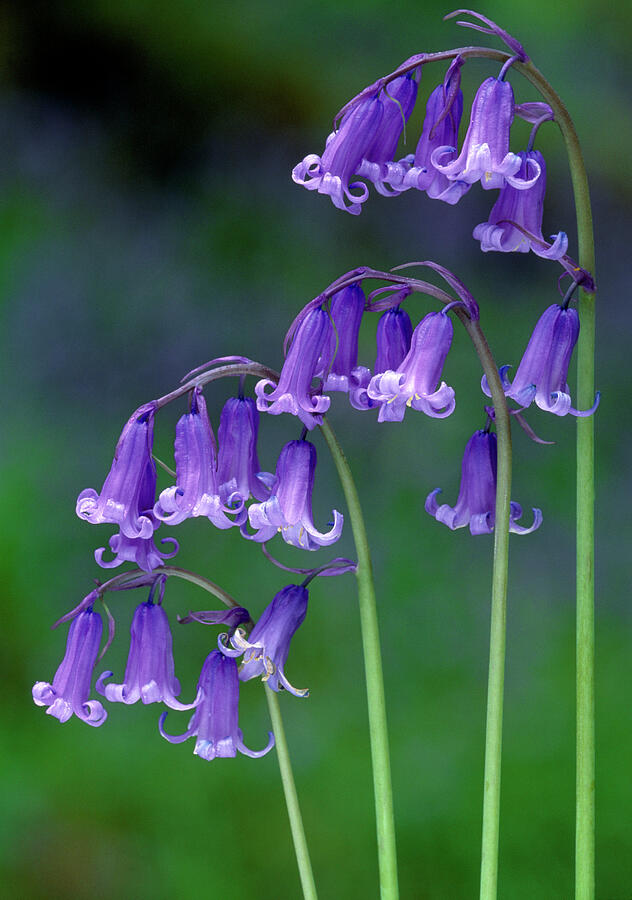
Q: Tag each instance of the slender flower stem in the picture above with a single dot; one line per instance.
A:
(378, 730)
(291, 798)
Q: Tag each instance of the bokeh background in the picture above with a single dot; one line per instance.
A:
(148, 223)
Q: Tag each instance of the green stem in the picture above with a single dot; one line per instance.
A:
(378, 730)
(291, 798)
(585, 541)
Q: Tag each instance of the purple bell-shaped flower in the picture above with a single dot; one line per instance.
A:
(341, 158)
(485, 154)
(289, 509)
(516, 210)
(149, 673)
(238, 470)
(476, 503)
(543, 370)
(70, 689)
(414, 382)
(141, 551)
(266, 649)
(347, 308)
(394, 334)
(196, 491)
(215, 721)
(306, 359)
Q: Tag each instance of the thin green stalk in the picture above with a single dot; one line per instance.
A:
(291, 798)
(378, 730)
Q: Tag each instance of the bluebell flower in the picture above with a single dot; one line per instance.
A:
(141, 551)
(289, 509)
(341, 158)
(215, 721)
(305, 360)
(128, 493)
(414, 382)
(378, 164)
(476, 503)
(515, 220)
(543, 370)
(440, 129)
(149, 673)
(70, 689)
(485, 154)
(238, 470)
(266, 649)
(394, 334)
(347, 308)
(196, 491)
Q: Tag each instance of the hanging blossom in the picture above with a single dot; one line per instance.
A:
(306, 359)
(141, 551)
(238, 470)
(515, 220)
(215, 722)
(196, 491)
(414, 382)
(543, 370)
(341, 158)
(266, 649)
(485, 154)
(289, 509)
(347, 308)
(70, 689)
(149, 673)
(378, 165)
(476, 503)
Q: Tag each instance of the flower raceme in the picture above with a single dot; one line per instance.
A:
(543, 370)
(289, 509)
(70, 689)
(215, 722)
(266, 649)
(476, 503)
(515, 220)
(414, 382)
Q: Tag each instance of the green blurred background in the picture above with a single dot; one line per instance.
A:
(148, 223)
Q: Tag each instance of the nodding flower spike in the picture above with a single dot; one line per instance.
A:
(378, 165)
(515, 220)
(70, 689)
(341, 158)
(485, 154)
(543, 370)
(414, 382)
(196, 492)
(149, 673)
(128, 493)
(141, 551)
(440, 129)
(347, 308)
(476, 503)
(215, 721)
(307, 358)
(266, 649)
(289, 509)
(238, 470)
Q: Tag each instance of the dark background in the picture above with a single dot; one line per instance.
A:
(147, 223)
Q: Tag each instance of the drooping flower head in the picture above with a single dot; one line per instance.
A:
(476, 503)
(266, 649)
(378, 164)
(70, 689)
(238, 470)
(523, 209)
(128, 492)
(485, 154)
(196, 492)
(289, 509)
(394, 334)
(347, 308)
(149, 673)
(341, 158)
(543, 370)
(415, 382)
(215, 721)
(306, 358)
